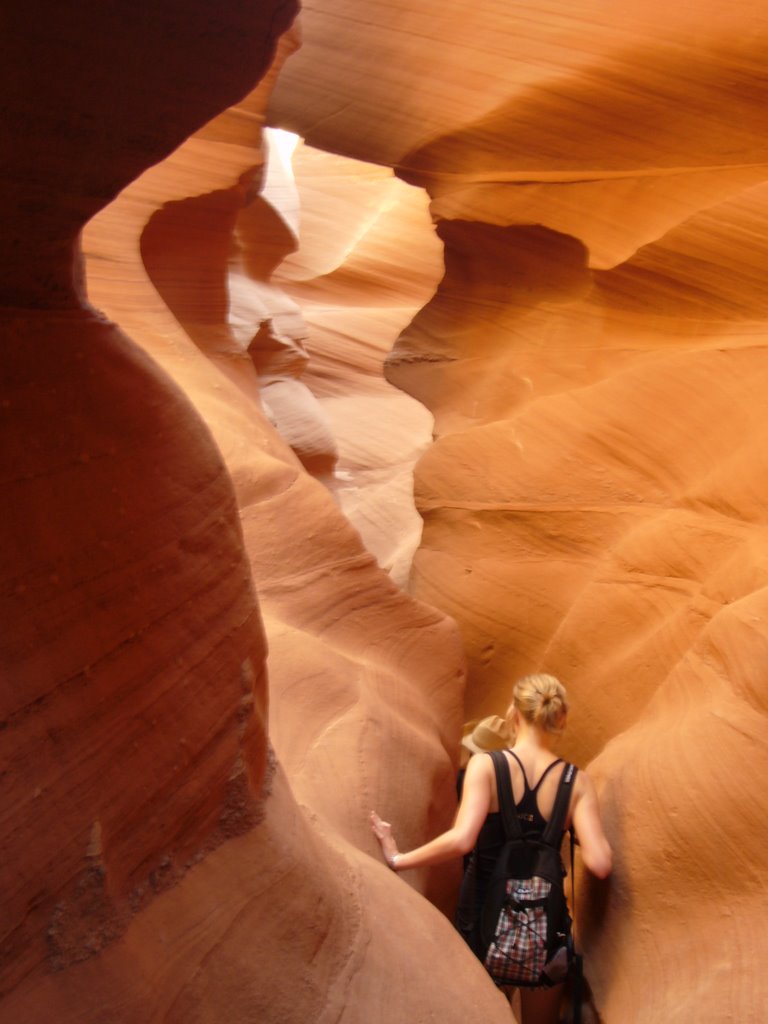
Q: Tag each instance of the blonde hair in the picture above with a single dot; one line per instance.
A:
(542, 701)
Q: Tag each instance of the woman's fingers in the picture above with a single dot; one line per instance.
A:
(381, 828)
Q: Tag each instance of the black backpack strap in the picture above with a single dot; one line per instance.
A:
(556, 824)
(509, 817)
(577, 965)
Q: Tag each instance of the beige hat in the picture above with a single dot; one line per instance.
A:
(490, 733)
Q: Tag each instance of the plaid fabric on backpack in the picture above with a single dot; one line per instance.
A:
(525, 927)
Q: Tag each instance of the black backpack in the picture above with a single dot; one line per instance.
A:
(525, 927)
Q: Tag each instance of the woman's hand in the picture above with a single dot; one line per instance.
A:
(459, 839)
(383, 832)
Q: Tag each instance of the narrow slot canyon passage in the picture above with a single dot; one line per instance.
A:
(356, 361)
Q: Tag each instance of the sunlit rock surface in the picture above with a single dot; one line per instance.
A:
(357, 290)
(595, 360)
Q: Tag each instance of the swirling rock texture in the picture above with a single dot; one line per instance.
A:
(357, 290)
(595, 359)
(178, 845)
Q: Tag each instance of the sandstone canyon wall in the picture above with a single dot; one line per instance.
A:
(595, 358)
(180, 844)
(208, 678)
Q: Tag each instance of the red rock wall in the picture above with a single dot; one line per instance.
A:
(594, 358)
(593, 505)
(117, 509)
(174, 850)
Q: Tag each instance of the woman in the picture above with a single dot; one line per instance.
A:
(536, 717)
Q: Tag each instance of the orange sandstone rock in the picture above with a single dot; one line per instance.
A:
(594, 357)
(156, 861)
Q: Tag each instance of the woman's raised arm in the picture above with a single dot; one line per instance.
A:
(457, 840)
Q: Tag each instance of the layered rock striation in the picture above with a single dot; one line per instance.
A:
(184, 814)
(593, 357)
(208, 677)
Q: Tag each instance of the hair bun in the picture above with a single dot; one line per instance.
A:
(541, 700)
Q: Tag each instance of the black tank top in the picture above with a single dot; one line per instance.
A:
(489, 843)
(532, 821)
